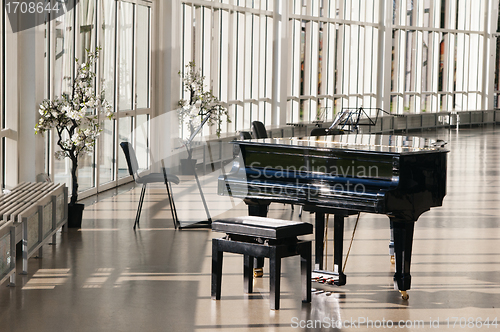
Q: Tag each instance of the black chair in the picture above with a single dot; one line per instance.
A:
(259, 130)
(133, 167)
(245, 135)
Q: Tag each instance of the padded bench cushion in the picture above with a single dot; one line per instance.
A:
(262, 227)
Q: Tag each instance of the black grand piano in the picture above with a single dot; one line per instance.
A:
(399, 176)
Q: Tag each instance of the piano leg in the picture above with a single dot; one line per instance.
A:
(258, 210)
(403, 241)
(391, 246)
(338, 243)
(319, 237)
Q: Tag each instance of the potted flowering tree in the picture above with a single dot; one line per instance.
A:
(76, 122)
(201, 103)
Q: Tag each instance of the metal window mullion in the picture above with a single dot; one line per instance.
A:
(257, 112)
(215, 66)
(247, 67)
(417, 67)
(489, 55)
(395, 13)
(401, 70)
(330, 79)
(460, 69)
(469, 12)
(206, 35)
(240, 69)
(117, 74)
(307, 70)
(403, 12)
(248, 94)
(326, 74)
(367, 55)
(363, 60)
(348, 67)
(385, 62)
(98, 37)
(434, 54)
(134, 75)
(197, 35)
(262, 68)
(295, 69)
(340, 65)
(277, 68)
(472, 51)
(3, 159)
(314, 47)
(231, 70)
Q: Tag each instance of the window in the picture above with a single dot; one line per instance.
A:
(438, 52)
(2, 92)
(122, 30)
(234, 49)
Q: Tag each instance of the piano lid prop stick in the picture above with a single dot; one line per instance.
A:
(325, 241)
(350, 244)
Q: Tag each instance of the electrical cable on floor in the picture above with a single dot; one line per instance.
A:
(350, 244)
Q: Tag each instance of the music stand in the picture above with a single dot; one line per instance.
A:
(349, 118)
(205, 223)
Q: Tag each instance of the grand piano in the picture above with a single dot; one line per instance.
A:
(399, 176)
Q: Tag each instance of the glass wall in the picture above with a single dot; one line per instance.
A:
(232, 45)
(496, 82)
(107, 139)
(438, 55)
(61, 64)
(334, 54)
(122, 30)
(134, 83)
(430, 56)
(2, 92)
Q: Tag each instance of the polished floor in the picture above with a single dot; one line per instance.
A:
(106, 277)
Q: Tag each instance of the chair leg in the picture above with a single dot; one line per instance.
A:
(172, 204)
(139, 208)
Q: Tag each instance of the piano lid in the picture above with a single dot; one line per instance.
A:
(393, 144)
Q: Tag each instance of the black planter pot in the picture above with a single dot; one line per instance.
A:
(75, 213)
(188, 166)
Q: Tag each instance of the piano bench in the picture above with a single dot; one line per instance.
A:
(262, 237)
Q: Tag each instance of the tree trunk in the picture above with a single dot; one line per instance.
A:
(74, 182)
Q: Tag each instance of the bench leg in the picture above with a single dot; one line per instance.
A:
(248, 274)
(305, 271)
(274, 279)
(216, 270)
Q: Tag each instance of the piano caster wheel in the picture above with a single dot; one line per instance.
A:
(393, 260)
(404, 295)
(258, 272)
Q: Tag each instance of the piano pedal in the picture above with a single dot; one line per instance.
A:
(404, 295)
(330, 281)
(258, 272)
(393, 260)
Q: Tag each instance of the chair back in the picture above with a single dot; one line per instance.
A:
(259, 130)
(245, 135)
(131, 158)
